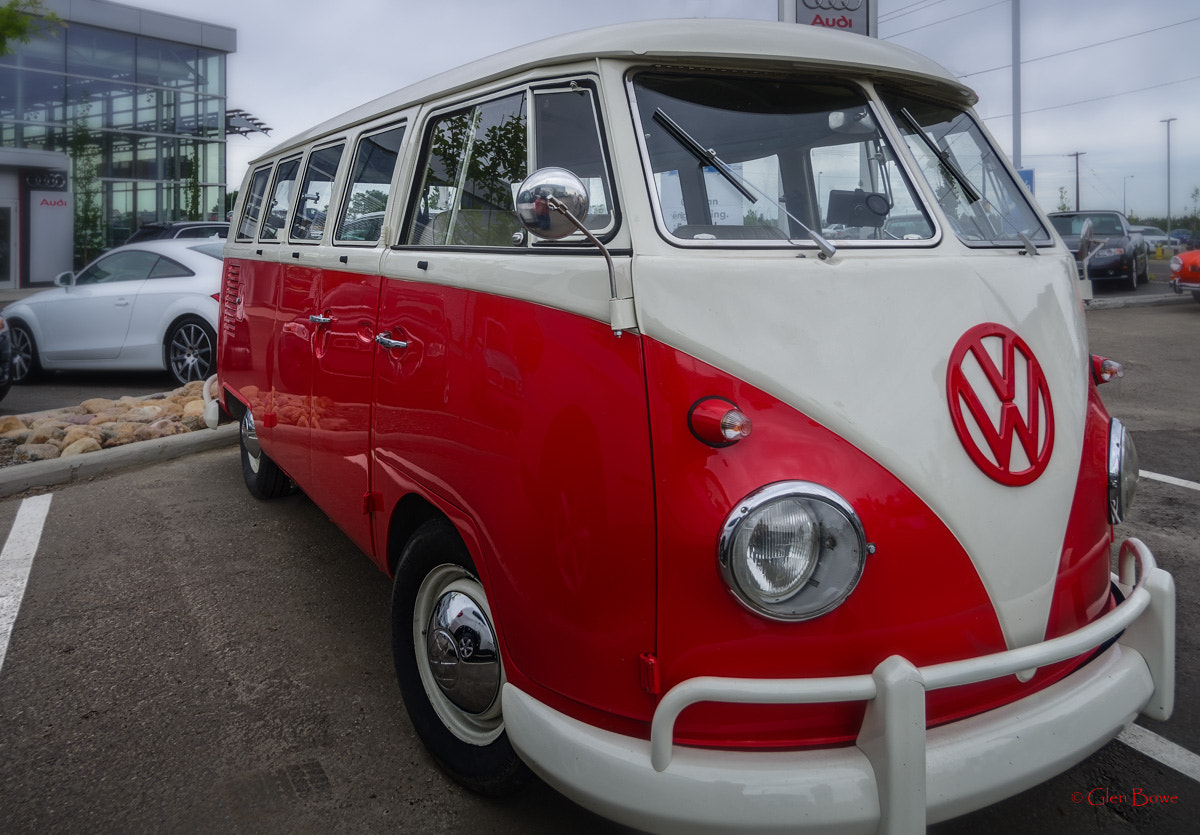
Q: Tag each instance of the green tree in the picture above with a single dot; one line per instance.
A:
(191, 186)
(1063, 205)
(20, 19)
(85, 174)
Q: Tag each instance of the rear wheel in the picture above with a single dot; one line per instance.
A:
(190, 349)
(448, 662)
(1196, 295)
(263, 477)
(25, 365)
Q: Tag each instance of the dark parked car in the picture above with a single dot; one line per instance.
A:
(180, 229)
(1122, 252)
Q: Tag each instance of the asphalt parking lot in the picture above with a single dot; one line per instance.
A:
(184, 658)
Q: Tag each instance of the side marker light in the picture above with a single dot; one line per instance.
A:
(718, 422)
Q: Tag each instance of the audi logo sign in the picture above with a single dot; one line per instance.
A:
(847, 15)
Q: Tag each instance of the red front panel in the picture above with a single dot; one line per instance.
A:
(919, 595)
(532, 422)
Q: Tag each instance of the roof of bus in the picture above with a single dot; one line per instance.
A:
(722, 40)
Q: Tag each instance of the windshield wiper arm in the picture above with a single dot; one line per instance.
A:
(708, 156)
(973, 195)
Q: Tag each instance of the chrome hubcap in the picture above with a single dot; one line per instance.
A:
(462, 653)
(250, 441)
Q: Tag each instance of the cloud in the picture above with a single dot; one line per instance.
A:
(1095, 79)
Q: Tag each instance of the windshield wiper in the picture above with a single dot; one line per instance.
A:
(708, 156)
(973, 195)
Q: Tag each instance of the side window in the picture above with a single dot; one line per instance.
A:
(567, 135)
(370, 182)
(252, 211)
(473, 160)
(281, 199)
(130, 265)
(316, 192)
(166, 268)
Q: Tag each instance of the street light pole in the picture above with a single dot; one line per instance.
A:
(1168, 122)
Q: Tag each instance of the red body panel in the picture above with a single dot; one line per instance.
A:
(532, 422)
(919, 595)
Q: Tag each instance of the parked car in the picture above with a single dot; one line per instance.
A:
(1155, 237)
(1183, 235)
(1123, 252)
(907, 227)
(5, 359)
(1185, 272)
(179, 229)
(144, 306)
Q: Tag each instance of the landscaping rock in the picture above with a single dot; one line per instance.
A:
(100, 423)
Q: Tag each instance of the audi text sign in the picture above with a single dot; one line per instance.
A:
(856, 16)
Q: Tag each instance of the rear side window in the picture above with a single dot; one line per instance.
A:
(316, 192)
(280, 199)
(473, 160)
(252, 211)
(166, 268)
(370, 183)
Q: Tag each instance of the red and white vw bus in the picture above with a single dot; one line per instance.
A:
(713, 522)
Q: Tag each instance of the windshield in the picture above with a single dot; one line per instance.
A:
(772, 161)
(982, 201)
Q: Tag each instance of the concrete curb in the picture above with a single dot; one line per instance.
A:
(1112, 302)
(21, 477)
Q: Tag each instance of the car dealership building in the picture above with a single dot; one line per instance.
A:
(120, 105)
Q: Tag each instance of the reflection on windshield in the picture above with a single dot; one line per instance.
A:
(810, 148)
(977, 194)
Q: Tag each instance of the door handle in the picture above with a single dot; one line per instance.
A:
(386, 341)
(320, 320)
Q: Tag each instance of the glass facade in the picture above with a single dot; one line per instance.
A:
(149, 113)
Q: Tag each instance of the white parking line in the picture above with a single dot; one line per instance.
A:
(16, 560)
(1166, 479)
(1162, 750)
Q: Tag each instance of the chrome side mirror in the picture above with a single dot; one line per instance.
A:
(551, 203)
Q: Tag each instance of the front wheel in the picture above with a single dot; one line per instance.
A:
(25, 365)
(191, 348)
(1196, 295)
(448, 662)
(263, 477)
(1133, 274)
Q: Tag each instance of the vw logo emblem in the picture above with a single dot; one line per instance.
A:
(1000, 404)
(834, 5)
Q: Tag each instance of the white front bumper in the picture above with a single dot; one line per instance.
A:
(899, 776)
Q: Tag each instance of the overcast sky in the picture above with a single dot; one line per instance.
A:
(1098, 76)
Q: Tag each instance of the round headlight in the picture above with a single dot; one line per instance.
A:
(779, 548)
(792, 551)
(1122, 471)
